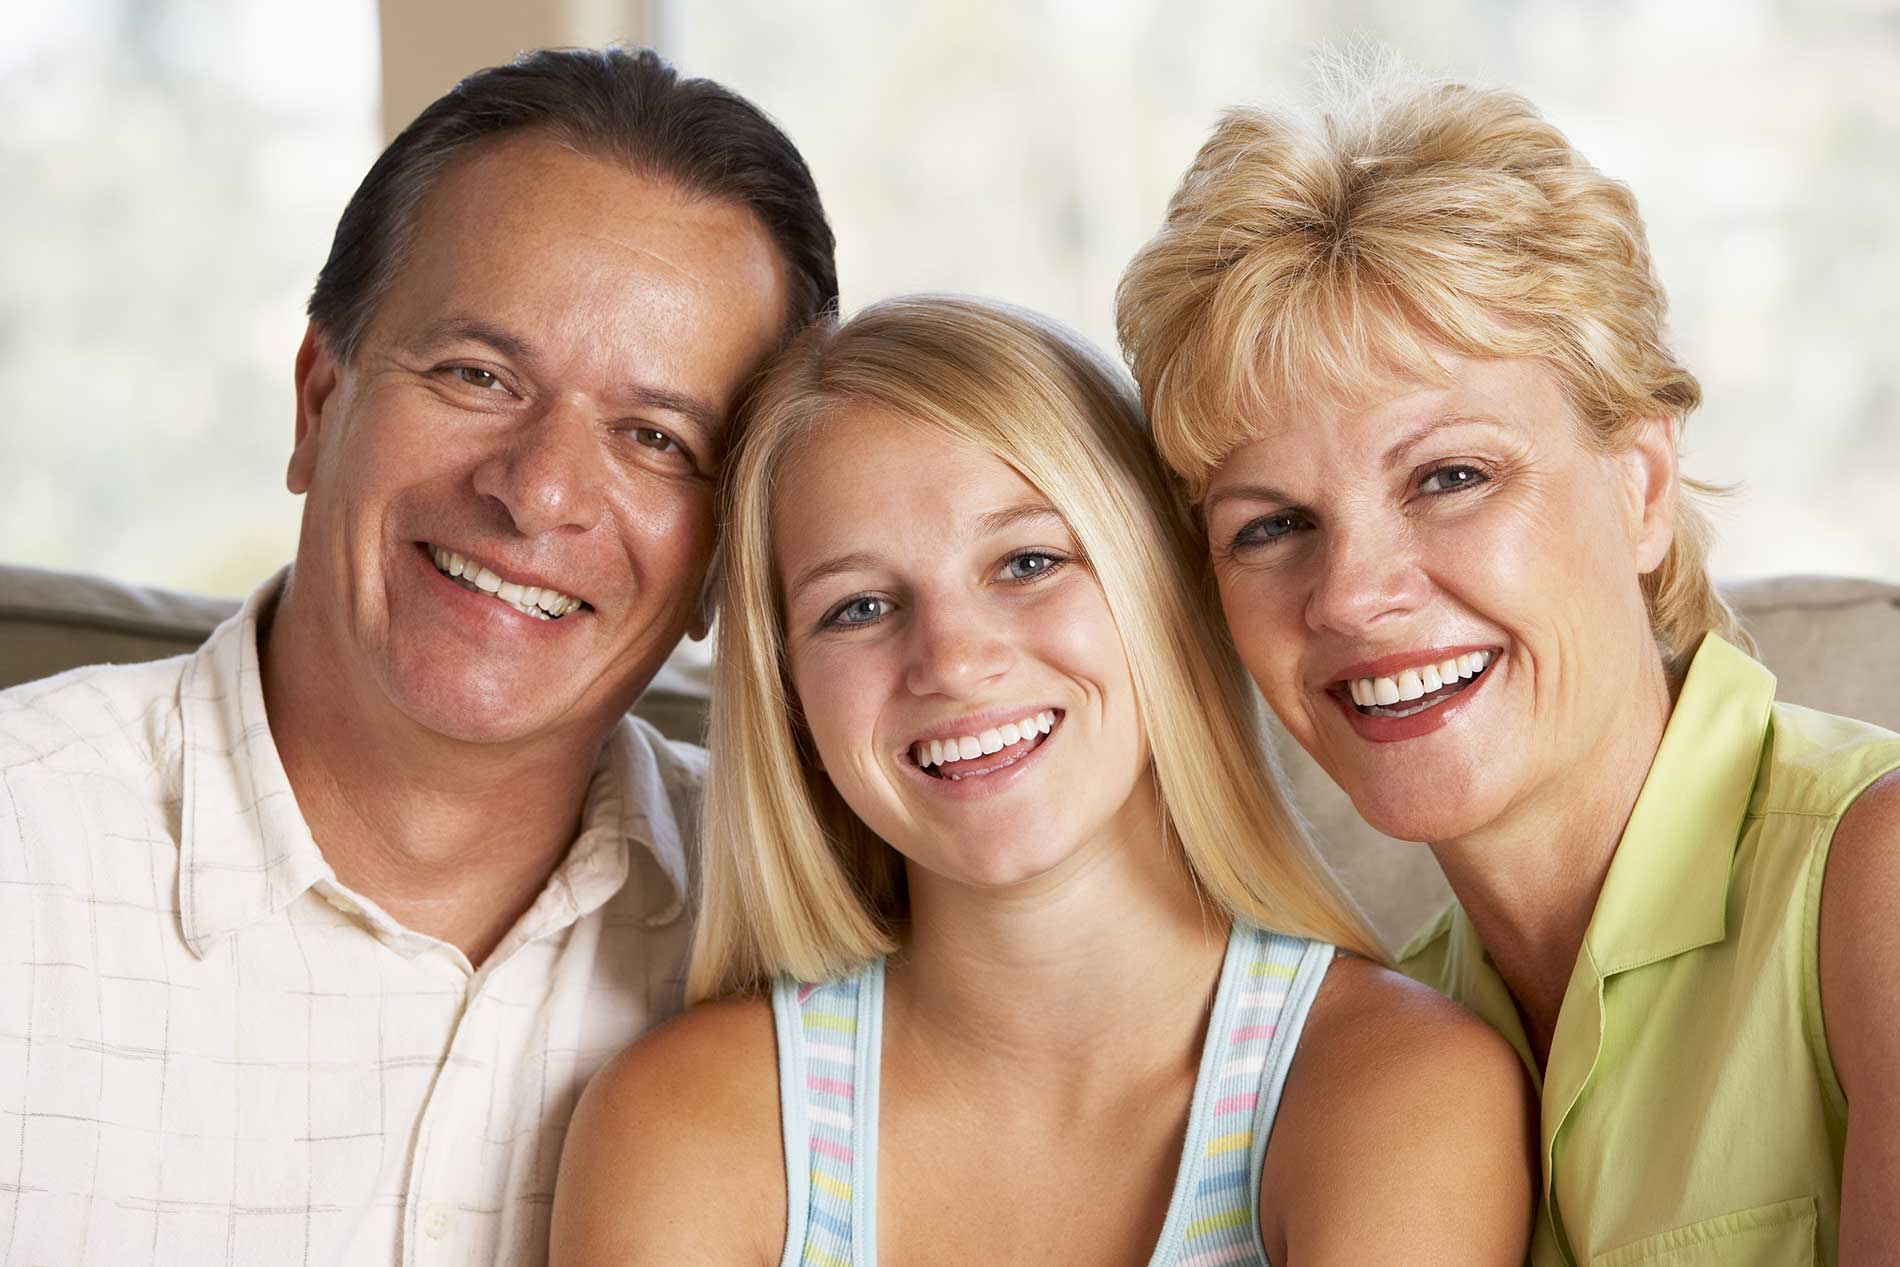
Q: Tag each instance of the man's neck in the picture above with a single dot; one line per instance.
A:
(455, 840)
(1529, 882)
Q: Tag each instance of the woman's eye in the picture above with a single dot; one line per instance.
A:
(1449, 479)
(654, 438)
(1030, 564)
(475, 376)
(865, 609)
(1269, 528)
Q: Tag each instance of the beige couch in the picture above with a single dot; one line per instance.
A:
(1834, 644)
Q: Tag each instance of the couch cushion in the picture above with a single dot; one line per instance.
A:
(1834, 644)
(54, 621)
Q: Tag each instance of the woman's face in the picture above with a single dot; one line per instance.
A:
(963, 681)
(1437, 590)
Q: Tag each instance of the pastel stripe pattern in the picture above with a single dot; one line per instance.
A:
(828, 1077)
(1266, 986)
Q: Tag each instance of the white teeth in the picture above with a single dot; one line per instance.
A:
(1412, 684)
(940, 752)
(531, 600)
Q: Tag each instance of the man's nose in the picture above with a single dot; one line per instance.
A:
(1368, 574)
(546, 474)
(955, 652)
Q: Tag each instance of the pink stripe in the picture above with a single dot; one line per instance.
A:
(1236, 1103)
(1247, 1033)
(828, 1086)
(831, 1148)
(806, 991)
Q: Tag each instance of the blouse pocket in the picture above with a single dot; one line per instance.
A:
(1777, 1235)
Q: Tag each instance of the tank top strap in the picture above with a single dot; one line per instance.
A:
(1267, 986)
(828, 1055)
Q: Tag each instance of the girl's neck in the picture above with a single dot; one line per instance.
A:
(1115, 955)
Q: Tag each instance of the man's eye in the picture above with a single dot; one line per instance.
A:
(1030, 564)
(865, 609)
(475, 376)
(1449, 479)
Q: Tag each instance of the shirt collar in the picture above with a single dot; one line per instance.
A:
(1667, 888)
(245, 851)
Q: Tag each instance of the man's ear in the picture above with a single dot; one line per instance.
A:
(316, 376)
(1655, 486)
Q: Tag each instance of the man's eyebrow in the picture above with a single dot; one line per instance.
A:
(457, 329)
(828, 568)
(697, 412)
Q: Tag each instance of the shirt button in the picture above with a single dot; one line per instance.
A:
(435, 1223)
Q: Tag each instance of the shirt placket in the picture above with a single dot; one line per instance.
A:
(437, 1226)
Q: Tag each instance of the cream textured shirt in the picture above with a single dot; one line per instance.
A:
(214, 1055)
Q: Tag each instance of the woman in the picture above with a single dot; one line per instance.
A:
(1410, 361)
(984, 774)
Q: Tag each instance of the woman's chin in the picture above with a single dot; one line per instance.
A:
(1428, 819)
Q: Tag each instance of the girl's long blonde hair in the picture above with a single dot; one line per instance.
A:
(792, 882)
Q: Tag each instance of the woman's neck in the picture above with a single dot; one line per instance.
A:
(1529, 880)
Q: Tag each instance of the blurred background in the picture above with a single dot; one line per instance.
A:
(174, 169)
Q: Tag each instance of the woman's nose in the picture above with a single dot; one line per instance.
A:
(1367, 576)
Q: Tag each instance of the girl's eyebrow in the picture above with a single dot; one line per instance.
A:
(1011, 516)
(828, 568)
(864, 560)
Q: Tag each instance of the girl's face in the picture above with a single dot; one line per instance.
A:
(1438, 590)
(961, 675)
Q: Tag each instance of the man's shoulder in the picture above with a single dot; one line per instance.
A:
(96, 720)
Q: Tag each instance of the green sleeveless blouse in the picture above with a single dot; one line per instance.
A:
(1690, 1109)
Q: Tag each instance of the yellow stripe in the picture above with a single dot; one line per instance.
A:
(1215, 1223)
(818, 1258)
(1285, 972)
(826, 1020)
(1229, 1143)
(836, 1187)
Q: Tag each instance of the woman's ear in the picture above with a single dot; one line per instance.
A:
(1655, 484)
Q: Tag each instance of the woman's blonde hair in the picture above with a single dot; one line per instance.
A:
(792, 882)
(1308, 260)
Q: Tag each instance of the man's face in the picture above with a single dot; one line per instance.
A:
(538, 404)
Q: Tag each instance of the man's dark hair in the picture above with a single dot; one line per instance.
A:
(628, 106)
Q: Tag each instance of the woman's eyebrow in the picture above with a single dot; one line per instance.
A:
(1423, 432)
(1247, 492)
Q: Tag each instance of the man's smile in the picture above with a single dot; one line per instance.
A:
(531, 600)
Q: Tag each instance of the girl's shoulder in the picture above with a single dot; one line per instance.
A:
(1399, 1102)
(674, 1137)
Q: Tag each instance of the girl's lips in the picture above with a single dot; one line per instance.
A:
(989, 775)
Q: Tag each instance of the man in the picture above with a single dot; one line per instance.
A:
(311, 939)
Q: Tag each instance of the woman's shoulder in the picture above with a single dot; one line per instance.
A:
(673, 1134)
(1399, 1095)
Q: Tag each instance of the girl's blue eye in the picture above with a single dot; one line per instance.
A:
(1029, 565)
(865, 609)
(1449, 479)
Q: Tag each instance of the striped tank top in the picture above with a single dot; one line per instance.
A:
(829, 1051)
